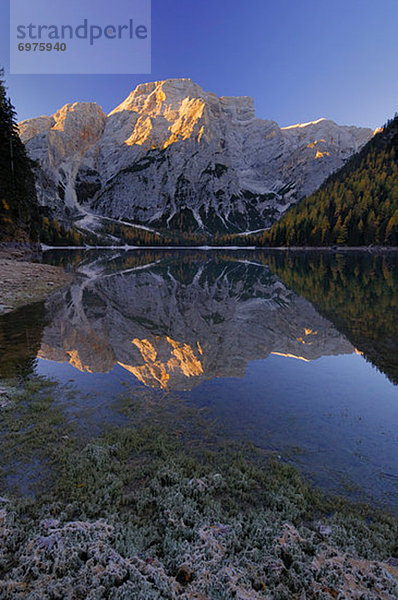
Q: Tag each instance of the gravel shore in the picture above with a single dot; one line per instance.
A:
(23, 282)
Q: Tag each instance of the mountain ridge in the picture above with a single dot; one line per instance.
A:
(355, 206)
(173, 156)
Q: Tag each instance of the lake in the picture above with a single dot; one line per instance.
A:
(292, 352)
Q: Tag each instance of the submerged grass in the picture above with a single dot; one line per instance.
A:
(146, 511)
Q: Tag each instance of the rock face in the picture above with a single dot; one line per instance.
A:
(172, 155)
(59, 144)
(187, 323)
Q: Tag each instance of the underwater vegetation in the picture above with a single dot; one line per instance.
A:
(142, 510)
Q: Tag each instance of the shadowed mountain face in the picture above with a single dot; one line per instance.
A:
(174, 324)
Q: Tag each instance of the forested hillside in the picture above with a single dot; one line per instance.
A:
(356, 206)
(19, 212)
(355, 291)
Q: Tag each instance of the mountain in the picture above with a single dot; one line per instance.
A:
(173, 156)
(175, 323)
(356, 206)
(19, 212)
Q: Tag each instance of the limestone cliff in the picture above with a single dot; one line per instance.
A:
(172, 155)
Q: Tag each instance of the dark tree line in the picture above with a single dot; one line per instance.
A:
(356, 292)
(19, 212)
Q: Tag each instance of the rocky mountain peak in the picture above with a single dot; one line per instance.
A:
(163, 112)
(172, 155)
(71, 130)
(67, 119)
(153, 97)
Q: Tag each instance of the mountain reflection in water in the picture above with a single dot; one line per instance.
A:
(175, 325)
(275, 346)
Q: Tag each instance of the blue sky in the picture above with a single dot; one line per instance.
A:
(299, 59)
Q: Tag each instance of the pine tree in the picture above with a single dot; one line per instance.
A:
(19, 213)
(356, 206)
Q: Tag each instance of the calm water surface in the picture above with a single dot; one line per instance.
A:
(296, 353)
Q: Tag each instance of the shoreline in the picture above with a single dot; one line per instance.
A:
(126, 248)
(23, 282)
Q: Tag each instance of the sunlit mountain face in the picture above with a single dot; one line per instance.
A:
(173, 325)
(177, 158)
